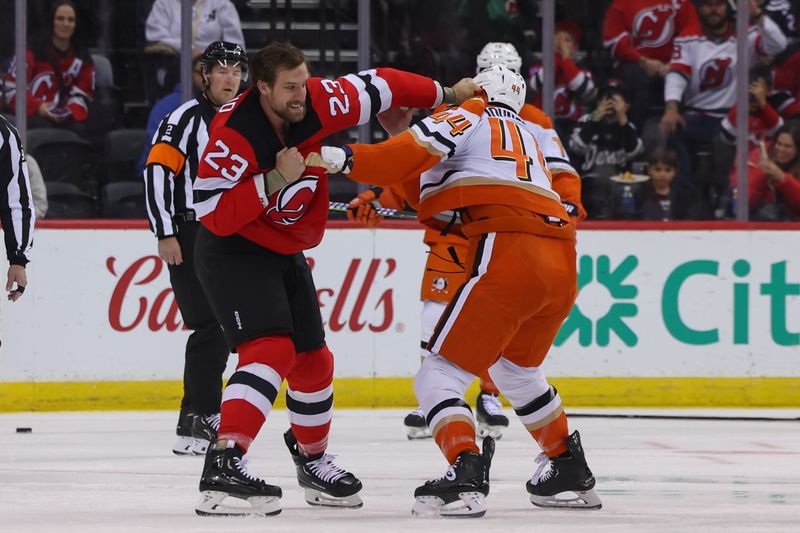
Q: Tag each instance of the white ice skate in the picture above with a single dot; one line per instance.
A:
(416, 426)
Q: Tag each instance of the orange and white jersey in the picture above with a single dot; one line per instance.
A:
(488, 155)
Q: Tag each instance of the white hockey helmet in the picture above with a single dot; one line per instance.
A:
(499, 54)
(502, 86)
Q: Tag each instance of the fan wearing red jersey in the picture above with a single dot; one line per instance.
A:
(260, 207)
(700, 89)
(639, 34)
(480, 160)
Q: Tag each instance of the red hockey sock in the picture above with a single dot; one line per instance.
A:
(251, 390)
(309, 399)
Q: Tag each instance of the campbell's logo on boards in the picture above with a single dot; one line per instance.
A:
(143, 298)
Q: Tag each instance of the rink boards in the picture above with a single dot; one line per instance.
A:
(679, 318)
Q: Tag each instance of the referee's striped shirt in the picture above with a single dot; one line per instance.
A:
(177, 147)
(16, 204)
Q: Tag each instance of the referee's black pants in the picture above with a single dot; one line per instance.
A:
(206, 349)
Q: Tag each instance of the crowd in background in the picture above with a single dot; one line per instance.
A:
(644, 94)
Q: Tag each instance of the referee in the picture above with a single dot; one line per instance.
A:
(16, 208)
(172, 164)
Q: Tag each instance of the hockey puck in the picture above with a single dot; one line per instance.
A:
(24, 430)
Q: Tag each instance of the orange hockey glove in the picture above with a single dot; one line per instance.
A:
(361, 211)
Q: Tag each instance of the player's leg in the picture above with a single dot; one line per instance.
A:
(206, 348)
(440, 386)
(416, 426)
(444, 274)
(245, 286)
(561, 467)
(309, 398)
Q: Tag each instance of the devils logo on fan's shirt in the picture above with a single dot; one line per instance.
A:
(715, 73)
(653, 28)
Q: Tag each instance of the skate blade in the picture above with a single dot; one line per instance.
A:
(214, 503)
(418, 433)
(200, 446)
(468, 505)
(485, 430)
(186, 446)
(315, 497)
(584, 500)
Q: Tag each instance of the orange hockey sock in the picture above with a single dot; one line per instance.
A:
(487, 385)
(454, 438)
(552, 437)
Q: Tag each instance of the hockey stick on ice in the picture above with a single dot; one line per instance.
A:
(382, 211)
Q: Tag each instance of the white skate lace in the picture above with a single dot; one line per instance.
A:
(491, 404)
(324, 469)
(241, 465)
(212, 420)
(418, 412)
(544, 469)
(450, 475)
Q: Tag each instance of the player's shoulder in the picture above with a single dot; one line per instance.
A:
(531, 113)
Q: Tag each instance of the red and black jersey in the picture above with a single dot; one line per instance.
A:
(646, 28)
(64, 80)
(229, 188)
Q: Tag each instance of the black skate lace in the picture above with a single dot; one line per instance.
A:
(212, 420)
(491, 404)
(240, 465)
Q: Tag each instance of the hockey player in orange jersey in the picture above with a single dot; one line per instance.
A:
(444, 268)
(480, 160)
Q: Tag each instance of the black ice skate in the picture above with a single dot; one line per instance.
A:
(225, 476)
(490, 417)
(416, 427)
(462, 492)
(185, 443)
(568, 473)
(204, 431)
(326, 484)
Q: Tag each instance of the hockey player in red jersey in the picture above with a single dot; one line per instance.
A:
(260, 207)
(481, 161)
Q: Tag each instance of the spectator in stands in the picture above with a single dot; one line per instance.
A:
(639, 34)
(763, 120)
(574, 86)
(608, 142)
(786, 91)
(60, 81)
(658, 203)
(212, 20)
(774, 177)
(167, 105)
(702, 78)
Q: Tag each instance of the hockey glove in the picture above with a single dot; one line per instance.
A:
(332, 159)
(361, 209)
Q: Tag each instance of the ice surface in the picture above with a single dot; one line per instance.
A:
(114, 472)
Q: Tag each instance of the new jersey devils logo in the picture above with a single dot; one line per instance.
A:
(653, 27)
(293, 201)
(715, 73)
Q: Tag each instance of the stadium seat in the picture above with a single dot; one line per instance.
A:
(123, 149)
(63, 157)
(66, 200)
(124, 200)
